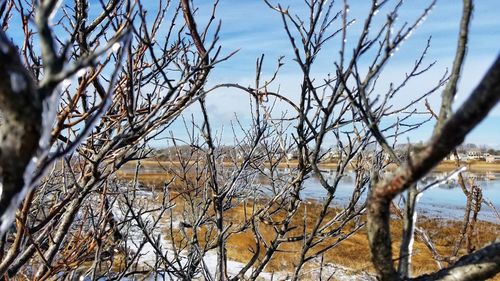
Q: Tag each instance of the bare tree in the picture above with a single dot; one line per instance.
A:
(122, 94)
(83, 95)
(450, 131)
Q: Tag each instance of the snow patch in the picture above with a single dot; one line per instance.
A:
(8, 216)
(10, 213)
(49, 113)
(80, 73)
(18, 82)
(116, 47)
(4, 47)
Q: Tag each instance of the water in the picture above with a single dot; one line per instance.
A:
(442, 201)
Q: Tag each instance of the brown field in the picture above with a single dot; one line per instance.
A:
(352, 252)
(474, 166)
(444, 166)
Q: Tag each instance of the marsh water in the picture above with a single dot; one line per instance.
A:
(445, 200)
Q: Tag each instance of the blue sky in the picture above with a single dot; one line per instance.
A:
(255, 29)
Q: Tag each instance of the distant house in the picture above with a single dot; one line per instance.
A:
(332, 155)
(240, 155)
(474, 155)
(292, 155)
(461, 157)
(492, 158)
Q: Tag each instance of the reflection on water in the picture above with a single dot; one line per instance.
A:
(445, 200)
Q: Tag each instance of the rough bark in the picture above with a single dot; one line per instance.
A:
(20, 131)
(474, 110)
(479, 265)
(450, 91)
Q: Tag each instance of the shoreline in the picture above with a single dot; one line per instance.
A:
(351, 256)
(428, 209)
(444, 166)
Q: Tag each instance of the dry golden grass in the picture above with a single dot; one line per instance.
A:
(444, 166)
(157, 180)
(352, 253)
(473, 166)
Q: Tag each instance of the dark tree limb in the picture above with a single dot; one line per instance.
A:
(450, 91)
(480, 265)
(20, 129)
(474, 110)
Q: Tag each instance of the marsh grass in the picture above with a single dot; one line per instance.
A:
(352, 253)
(444, 166)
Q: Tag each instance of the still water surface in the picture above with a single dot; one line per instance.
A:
(443, 201)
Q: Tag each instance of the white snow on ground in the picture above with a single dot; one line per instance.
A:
(148, 256)
(337, 272)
